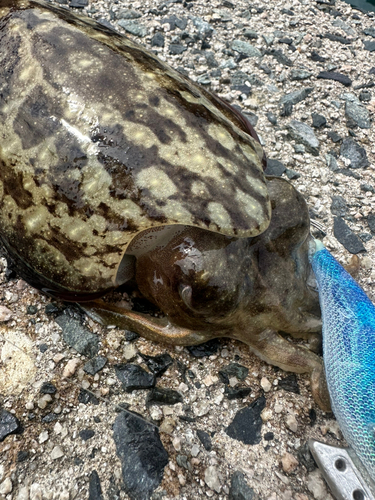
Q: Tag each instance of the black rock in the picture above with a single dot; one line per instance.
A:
(236, 392)
(318, 121)
(305, 458)
(365, 96)
(280, 57)
(234, 370)
(369, 31)
(174, 22)
(77, 336)
(334, 136)
(86, 434)
(289, 384)
(370, 46)
(247, 424)
(354, 152)
(268, 436)
(205, 439)
(78, 4)
(176, 49)
(292, 174)
(271, 118)
(51, 309)
(337, 38)
(31, 310)
(348, 172)
(316, 57)
(50, 417)
(367, 188)
(286, 40)
(203, 350)
(286, 109)
(47, 388)
(372, 71)
(141, 453)
(338, 77)
(157, 40)
(274, 167)
(9, 424)
(346, 236)
(133, 377)
(162, 396)
(22, 455)
(371, 222)
(43, 348)
(287, 12)
(95, 489)
(239, 489)
(130, 336)
(312, 416)
(338, 206)
(158, 364)
(95, 365)
(87, 397)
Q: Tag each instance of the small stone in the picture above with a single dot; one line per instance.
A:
(86, 434)
(318, 120)
(289, 463)
(338, 77)
(6, 486)
(212, 478)
(43, 437)
(291, 423)
(56, 453)
(305, 457)
(9, 424)
(5, 314)
(266, 384)
(233, 370)
(297, 96)
(357, 115)
(346, 237)
(304, 134)
(251, 34)
(71, 367)
(128, 14)
(365, 96)
(247, 424)
(239, 489)
(354, 152)
(370, 46)
(245, 48)
(339, 206)
(182, 461)
(371, 222)
(201, 408)
(205, 439)
(130, 336)
(274, 167)
(163, 396)
(279, 56)
(206, 349)
(271, 117)
(158, 364)
(133, 27)
(299, 74)
(78, 336)
(48, 388)
(94, 365)
(133, 377)
(86, 397)
(31, 310)
(334, 136)
(95, 488)
(316, 485)
(289, 383)
(268, 436)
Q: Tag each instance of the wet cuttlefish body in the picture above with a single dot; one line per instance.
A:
(114, 167)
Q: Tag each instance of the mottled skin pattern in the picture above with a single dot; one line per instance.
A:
(104, 150)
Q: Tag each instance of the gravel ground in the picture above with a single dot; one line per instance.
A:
(271, 59)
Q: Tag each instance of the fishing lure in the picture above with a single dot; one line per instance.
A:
(349, 353)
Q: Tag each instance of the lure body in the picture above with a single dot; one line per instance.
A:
(349, 353)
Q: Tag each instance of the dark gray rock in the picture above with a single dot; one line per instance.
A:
(86, 434)
(176, 48)
(130, 336)
(237, 392)
(365, 96)
(367, 188)
(158, 364)
(370, 46)
(128, 14)
(339, 206)
(274, 167)
(85, 397)
(371, 222)
(338, 77)
(357, 115)
(210, 58)
(251, 117)
(331, 162)
(239, 489)
(233, 370)
(318, 120)
(133, 377)
(9, 424)
(337, 38)
(133, 27)
(271, 117)
(245, 48)
(95, 365)
(297, 96)
(334, 136)
(286, 109)
(251, 34)
(247, 424)
(280, 57)
(95, 488)
(302, 133)
(78, 4)
(157, 40)
(163, 396)
(203, 27)
(316, 57)
(299, 74)
(346, 237)
(141, 453)
(48, 388)
(203, 350)
(289, 384)
(354, 152)
(292, 174)
(305, 458)
(365, 237)
(369, 31)
(77, 336)
(205, 439)
(204, 79)
(174, 22)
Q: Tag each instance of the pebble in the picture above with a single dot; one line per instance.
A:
(291, 423)
(317, 486)
(129, 352)
(338, 77)
(78, 336)
(71, 367)
(302, 133)
(9, 424)
(247, 423)
(163, 396)
(6, 486)
(133, 377)
(346, 237)
(265, 384)
(239, 489)
(357, 115)
(245, 48)
(5, 314)
(205, 439)
(141, 454)
(95, 365)
(213, 478)
(95, 488)
(289, 463)
(158, 364)
(57, 452)
(357, 155)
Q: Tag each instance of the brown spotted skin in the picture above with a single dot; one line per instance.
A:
(101, 140)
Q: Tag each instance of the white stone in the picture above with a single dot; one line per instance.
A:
(43, 437)
(71, 367)
(212, 478)
(6, 486)
(265, 384)
(291, 423)
(57, 452)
